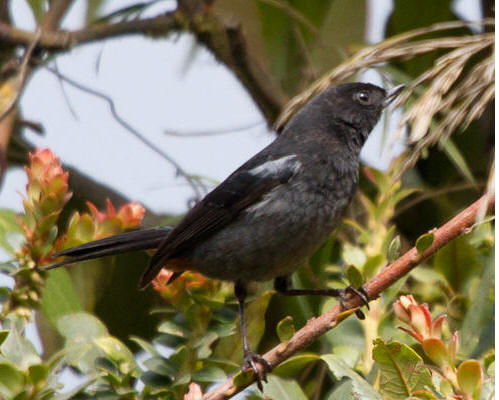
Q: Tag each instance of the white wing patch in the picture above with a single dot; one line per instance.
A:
(271, 202)
(277, 167)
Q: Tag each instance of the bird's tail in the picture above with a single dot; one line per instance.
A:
(145, 239)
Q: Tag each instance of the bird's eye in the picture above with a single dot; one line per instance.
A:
(363, 98)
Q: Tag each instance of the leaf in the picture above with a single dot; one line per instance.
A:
(59, 296)
(278, 388)
(18, 350)
(80, 331)
(161, 366)
(285, 329)
(469, 376)
(354, 276)
(402, 370)
(393, 249)
(11, 234)
(436, 350)
(81, 327)
(293, 365)
(119, 353)
(345, 391)
(145, 345)
(424, 242)
(12, 381)
(481, 309)
(361, 388)
(38, 8)
(457, 159)
(209, 374)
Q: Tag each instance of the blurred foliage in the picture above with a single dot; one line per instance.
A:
(184, 337)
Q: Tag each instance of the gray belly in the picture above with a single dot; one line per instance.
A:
(271, 238)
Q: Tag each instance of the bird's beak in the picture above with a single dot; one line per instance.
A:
(393, 94)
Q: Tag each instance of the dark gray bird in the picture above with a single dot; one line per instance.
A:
(270, 215)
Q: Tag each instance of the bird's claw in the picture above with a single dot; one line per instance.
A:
(360, 293)
(250, 359)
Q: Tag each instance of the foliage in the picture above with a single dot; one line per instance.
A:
(90, 318)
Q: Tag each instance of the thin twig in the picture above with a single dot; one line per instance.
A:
(316, 327)
(22, 75)
(179, 170)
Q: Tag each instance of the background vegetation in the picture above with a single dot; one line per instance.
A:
(183, 338)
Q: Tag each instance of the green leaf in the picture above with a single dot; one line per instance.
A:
(59, 296)
(354, 276)
(402, 370)
(278, 388)
(361, 388)
(285, 329)
(145, 345)
(3, 335)
(12, 381)
(156, 381)
(11, 233)
(469, 376)
(174, 329)
(424, 242)
(81, 326)
(457, 159)
(481, 309)
(18, 350)
(38, 8)
(295, 364)
(161, 366)
(436, 350)
(38, 374)
(80, 331)
(209, 374)
(119, 353)
(393, 249)
(345, 391)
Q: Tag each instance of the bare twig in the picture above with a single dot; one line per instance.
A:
(179, 170)
(54, 14)
(316, 327)
(20, 77)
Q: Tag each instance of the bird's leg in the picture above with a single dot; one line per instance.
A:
(249, 357)
(283, 285)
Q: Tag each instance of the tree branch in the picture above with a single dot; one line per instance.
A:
(55, 13)
(225, 41)
(316, 327)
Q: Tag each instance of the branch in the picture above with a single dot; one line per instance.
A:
(195, 184)
(55, 13)
(225, 41)
(316, 327)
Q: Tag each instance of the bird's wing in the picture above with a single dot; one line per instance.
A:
(243, 188)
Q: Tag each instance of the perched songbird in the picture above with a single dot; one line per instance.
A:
(270, 215)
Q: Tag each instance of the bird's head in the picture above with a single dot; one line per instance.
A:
(348, 111)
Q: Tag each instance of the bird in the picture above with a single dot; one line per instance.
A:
(271, 214)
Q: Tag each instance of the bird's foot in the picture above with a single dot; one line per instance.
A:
(361, 293)
(250, 360)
